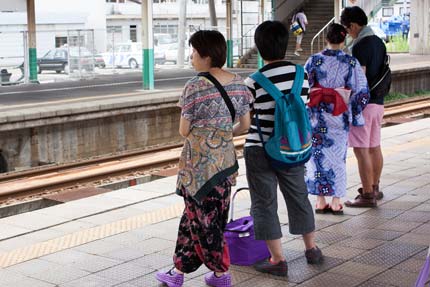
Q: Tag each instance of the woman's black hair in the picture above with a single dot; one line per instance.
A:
(210, 43)
(271, 39)
(353, 15)
(336, 33)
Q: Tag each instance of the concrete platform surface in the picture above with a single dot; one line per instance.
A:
(123, 237)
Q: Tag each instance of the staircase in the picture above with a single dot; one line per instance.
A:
(318, 14)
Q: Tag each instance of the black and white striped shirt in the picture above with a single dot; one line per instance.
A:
(282, 74)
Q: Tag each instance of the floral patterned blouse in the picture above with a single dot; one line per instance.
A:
(208, 157)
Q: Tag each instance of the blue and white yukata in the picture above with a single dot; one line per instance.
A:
(326, 170)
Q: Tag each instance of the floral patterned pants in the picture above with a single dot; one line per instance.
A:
(200, 236)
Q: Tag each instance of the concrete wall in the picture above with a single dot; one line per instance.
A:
(411, 80)
(70, 134)
(420, 27)
(55, 134)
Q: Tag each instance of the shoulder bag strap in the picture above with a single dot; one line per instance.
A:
(298, 81)
(385, 72)
(222, 91)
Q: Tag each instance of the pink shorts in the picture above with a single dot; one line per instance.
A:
(368, 135)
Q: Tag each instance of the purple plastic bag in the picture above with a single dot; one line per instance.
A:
(424, 275)
(239, 234)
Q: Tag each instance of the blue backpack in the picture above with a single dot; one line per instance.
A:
(290, 143)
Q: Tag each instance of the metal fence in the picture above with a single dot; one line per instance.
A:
(68, 52)
(64, 55)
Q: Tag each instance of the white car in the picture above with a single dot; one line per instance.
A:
(171, 53)
(129, 55)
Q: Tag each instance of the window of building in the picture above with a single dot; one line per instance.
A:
(133, 33)
(387, 12)
(60, 41)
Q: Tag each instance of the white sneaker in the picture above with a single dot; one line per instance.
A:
(297, 54)
(299, 50)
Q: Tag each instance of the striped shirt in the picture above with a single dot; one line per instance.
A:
(282, 74)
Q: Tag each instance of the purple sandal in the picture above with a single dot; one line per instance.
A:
(223, 281)
(170, 278)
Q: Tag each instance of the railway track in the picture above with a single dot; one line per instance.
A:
(52, 178)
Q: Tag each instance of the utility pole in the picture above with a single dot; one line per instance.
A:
(32, 51)
(337, 9)
(182, 31)
(261, 18)
(147, 46)
(229, 34)
(212, 13)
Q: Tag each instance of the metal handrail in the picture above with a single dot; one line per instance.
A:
(319, 33)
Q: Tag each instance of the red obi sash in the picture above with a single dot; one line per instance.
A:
(339, 97)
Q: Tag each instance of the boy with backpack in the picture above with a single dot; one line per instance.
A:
(276, 149)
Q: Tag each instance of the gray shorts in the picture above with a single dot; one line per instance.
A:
(263, 181)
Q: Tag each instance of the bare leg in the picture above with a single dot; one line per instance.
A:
(335, 203)
(377, 163)
(275, 249)
(365, 168)
(320, 202)
(309, 240)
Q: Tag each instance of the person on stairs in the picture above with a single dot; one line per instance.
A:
(301, 19)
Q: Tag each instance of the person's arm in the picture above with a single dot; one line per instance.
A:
(184, 127)
(359, 93)
(186, 104)
(243, 125)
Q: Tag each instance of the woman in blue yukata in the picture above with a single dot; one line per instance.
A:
(338, 95)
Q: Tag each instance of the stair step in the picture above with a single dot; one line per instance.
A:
(318, 14)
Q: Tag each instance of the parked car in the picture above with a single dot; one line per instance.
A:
(128, 55)
(99, 62)
(379, 32)
(58, 60)
(171, 53)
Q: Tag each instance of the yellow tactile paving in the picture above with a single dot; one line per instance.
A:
(81, 237)
(85, 236)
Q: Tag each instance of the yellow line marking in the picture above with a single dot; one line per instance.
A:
(88, 235)
(81, 237)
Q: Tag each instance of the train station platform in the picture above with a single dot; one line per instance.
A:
(123, 237)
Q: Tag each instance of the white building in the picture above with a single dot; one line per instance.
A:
(109, 22)
(56, 21)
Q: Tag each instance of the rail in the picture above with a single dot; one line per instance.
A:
(317, 36)
(41, 180)
(55, 177)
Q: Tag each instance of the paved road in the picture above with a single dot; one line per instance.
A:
(103, 85)
(128, 82)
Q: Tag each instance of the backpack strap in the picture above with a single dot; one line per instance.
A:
(274, 92)
(222, 91)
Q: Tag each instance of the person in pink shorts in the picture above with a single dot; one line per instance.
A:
(370, 51)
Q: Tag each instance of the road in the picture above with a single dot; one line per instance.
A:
(101, 86)
(126, 81)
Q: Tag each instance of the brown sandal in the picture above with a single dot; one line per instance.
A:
(337, 212)
(325, 209)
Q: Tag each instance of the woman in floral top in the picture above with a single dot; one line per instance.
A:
(208, 166)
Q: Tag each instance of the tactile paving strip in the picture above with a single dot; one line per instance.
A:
(77, 238)
(299, 270)
(81, 237)
(386, 235)
(397, 278)
(379, 259)
(332, 280)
